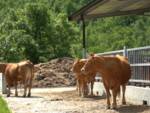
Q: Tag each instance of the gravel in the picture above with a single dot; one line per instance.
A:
(66, 100)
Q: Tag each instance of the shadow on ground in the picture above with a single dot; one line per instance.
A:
(73, 96)
(12, 96)
(133, 109)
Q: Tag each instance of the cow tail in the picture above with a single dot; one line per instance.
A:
(28, 78)
(33, 72)
(31, 75)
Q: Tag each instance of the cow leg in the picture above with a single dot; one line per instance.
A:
(114, 93)
(29, 93)
(92, 83)
(25, 90)
(79, 88)
(123, 94)
(16, 92)
(83, 89)
(77, 84)
(30, 86)
(8, 92)
(107, 95)
(86, 90)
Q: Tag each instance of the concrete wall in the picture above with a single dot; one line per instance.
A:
(138, 95)
(98, 89)
(135, 95)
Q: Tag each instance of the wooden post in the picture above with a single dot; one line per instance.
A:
(4, 89)
(84, 38)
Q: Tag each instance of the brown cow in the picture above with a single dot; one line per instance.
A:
(26, 75)
(115, 72)
(82, 79)
(15, 72)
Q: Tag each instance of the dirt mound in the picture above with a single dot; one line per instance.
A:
(55, 73)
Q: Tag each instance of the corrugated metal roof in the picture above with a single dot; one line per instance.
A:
(106, 8)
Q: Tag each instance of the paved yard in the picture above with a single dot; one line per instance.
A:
(65, 100)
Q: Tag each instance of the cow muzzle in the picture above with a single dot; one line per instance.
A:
(71, 69)
(83, 70)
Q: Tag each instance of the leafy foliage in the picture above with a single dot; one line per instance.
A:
(115, 32)
(39, 30)
(3, 106)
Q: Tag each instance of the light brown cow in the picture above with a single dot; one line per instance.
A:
(115, 72)
(26, 75)
(82, 79)
(15, 72)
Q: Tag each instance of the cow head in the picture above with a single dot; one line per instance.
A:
(75, 65)
(89, 65)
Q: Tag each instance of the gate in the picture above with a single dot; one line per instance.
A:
(139, 59)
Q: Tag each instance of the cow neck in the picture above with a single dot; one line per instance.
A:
(103, 66)
(98, 62)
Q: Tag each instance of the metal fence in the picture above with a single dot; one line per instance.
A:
(139, 59)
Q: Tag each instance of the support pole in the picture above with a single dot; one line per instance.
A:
(4, 89)
(125, 52)
(84, 38)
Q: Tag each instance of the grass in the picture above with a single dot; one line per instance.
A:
(3, 106)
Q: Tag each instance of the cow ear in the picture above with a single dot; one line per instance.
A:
(92, 55)
(77, 60)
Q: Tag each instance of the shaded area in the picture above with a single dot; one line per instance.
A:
(73, 96)
(134, 109)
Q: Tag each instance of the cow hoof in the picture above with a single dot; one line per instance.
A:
(79, 94)
(123, 103)
(114, 107)
(24, 96)
(82, 96)
(91, 94)
(8, 95)
(29, 95)
(16, 95)
(108, 107)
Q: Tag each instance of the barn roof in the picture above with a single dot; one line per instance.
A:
(107, 8)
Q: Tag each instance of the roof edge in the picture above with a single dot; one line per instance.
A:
(77, 15)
